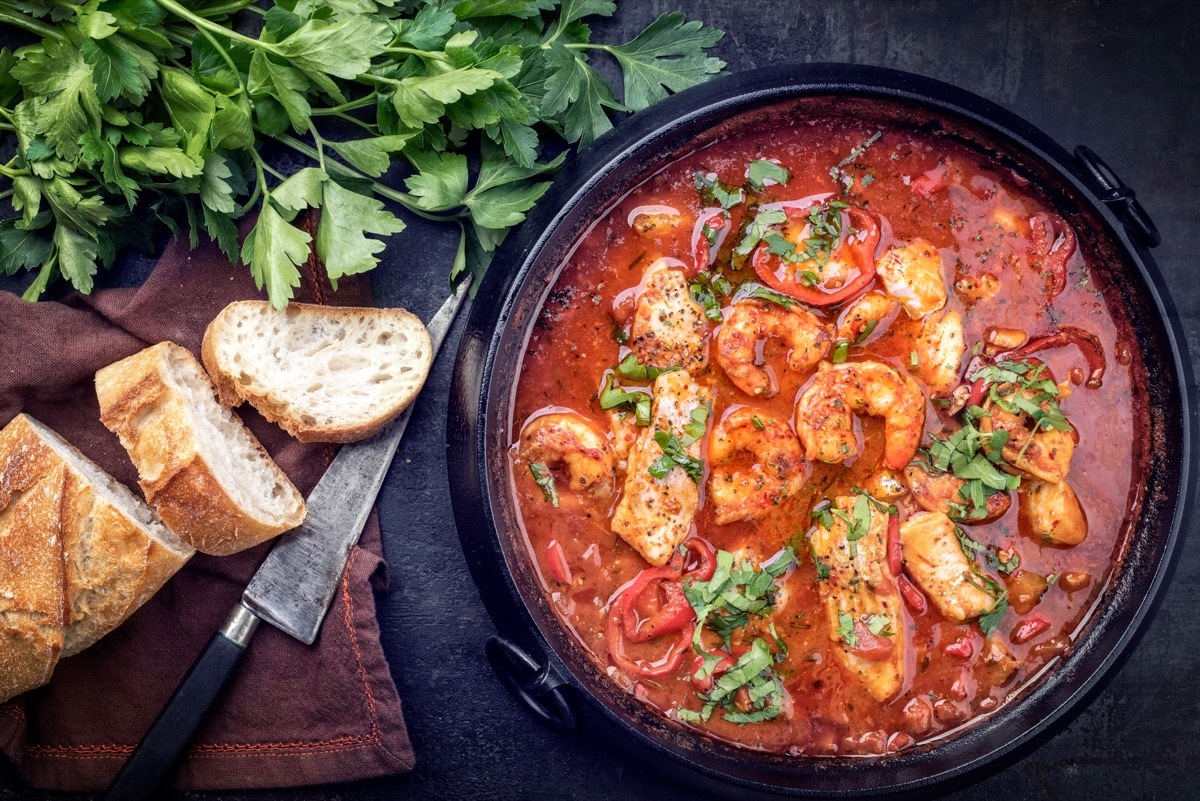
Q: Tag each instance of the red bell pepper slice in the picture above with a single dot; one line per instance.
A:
(556, 563)
(1087, 342)
(1029, 628)
(870, 646)
(780, 277)
(664, 666)
(1053, 251)
(894, 555)
(671, 616)
(962, 648)
(913, 597)
(703, 253)
(704, 684)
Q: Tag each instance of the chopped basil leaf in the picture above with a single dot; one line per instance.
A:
(695, 429)
(545, 479)
(759, 227)
(619, 334)
(630, 367)
(837, 173)
(762, 170)
(612, 397)
(822, 512)
(991, 621)
(674, 456)
(992, 557)
(716, 193)
(751, 290)
(822, 568)
(841, 350)
(759, 424)
(809, 278)
(845, 629)
(880, 626)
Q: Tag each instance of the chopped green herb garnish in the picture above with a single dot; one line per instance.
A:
(759, 424)
(631, 368)
(762, 171)
(707, 290)
(545, 479)
(822, 568)
(612, 397)
(716, 193)
(880, 626)
(845, 629)
(698, 423)
(673, 456)
(866, 332)
(759, 227)
(991, 621)
(752, 290)
(837, 171)
(841, 350)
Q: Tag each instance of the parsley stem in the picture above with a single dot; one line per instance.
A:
(404, 199)
(409, 51)
(6, 194)
(362, 102)
(32, 25)
(227, 9)
(205, 24)
(226, 58)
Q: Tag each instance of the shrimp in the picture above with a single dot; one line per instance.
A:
(750, 321)
(749, 488)
(669, 328)
(655, 514)
(824, 418)
(1040, 453)
(861, 318)
(1051, 512)
(568, 440)
(940, 347)
(912, 274)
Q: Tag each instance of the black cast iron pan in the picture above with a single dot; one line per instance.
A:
(536, 657)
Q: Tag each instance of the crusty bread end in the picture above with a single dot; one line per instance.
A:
(207, 476)
(322, 373)
(79, 553)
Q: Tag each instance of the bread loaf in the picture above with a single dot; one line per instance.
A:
(78, 553)
(323, 374)
(199, 466)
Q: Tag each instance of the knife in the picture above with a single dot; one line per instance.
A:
(292, 589)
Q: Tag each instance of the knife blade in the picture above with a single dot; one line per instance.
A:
(291, 590)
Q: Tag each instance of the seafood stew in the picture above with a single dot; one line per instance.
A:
(826, 441)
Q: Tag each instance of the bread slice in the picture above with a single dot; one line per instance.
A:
(199, 466)
(322, 373)
(78, 553)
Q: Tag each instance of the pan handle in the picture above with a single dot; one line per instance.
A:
(1118, 197)
(532, 683)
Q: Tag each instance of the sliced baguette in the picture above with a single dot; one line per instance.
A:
(79, 553)
(207, 476)
(323, 374)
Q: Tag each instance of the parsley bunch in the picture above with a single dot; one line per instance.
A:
(127, 116)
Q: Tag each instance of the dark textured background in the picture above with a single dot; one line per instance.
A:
(1121, 77)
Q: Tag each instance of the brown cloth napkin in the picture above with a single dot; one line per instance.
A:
(293, 714)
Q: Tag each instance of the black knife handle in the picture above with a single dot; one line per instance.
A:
(170, 734)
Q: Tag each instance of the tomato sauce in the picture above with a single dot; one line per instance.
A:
(978, 217)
